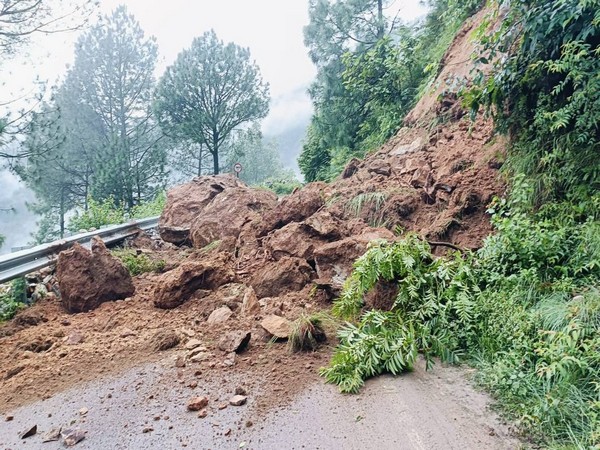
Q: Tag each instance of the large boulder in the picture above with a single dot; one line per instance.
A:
(294, 239)
(278, 277)
(300, 239)
(88, 278)
(295, 207)
(334, 260)
(187, 201)
(229, 212)
(176, 286)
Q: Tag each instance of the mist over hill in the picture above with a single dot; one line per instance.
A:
(18, 224)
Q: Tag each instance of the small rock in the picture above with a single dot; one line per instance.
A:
(250, 305)
(196, 351)
(193, 384)
(187, 332)
(83, 411)
(28, 433)
(240, 391)
(219, 315)
(222, 406)
(164, 340)
(238, 400)
(197, 403)
(52, 435)
(75, 337)
(192, 344)
(180, 362)
(9, 418)
(227, 432)
(235, 341)
(278, 326)
(147, 429)
(249, 423)
(230, 360)
(127, 332)
(199, 357)
(203, 413)
(72, 436)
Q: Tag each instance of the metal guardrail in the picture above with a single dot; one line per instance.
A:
(20, 263)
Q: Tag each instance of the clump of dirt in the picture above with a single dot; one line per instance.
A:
(294, 254)
(164, 340)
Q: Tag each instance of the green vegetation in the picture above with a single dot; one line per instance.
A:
(546, 94)
(307, 333)
(371, 71)
(373, 202)
(525, 308)
(12, 298)
(138, 263)
(104, 213)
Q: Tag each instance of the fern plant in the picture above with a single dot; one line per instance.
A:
(432, 313)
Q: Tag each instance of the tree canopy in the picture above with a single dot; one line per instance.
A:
(212, 89)
(97, 137)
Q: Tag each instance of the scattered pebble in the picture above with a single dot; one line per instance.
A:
(197, 403)
(238, 400)
(28, 433)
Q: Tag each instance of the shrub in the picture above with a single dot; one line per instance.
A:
(140, 263)
(12, 298)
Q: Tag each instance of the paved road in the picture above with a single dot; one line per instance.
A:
(417, 411)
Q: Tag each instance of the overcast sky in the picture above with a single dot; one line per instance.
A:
(272, 29)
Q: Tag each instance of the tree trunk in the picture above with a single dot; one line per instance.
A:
(380, 29)
(200, 160)
(62, 213)
(215, 152)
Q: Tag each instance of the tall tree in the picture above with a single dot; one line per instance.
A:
(112, 79)
(337, 28)
(21, 19)
(210, 90)
(357, 62)
(51, 170)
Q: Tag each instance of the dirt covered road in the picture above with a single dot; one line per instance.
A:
(146, 408)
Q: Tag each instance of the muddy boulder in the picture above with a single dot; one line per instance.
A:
(334, 260)
(294, 239)
(229, 212)
(295, 207)
(278, 277)
(88, 278)
(187, 201)
(299, 239)
(177, 286)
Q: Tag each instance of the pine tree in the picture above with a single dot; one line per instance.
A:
(212, 89)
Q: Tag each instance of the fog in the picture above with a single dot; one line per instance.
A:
(18, 224)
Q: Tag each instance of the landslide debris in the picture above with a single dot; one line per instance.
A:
(239, 253)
